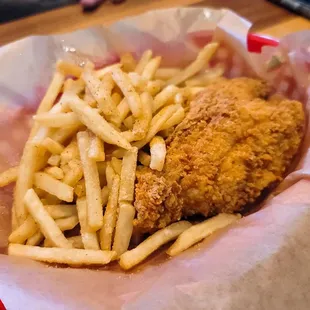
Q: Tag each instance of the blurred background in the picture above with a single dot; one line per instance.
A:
(22, 18)
(13, 9)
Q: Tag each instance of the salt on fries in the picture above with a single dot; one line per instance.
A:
(96, 123)
(128, 175)
(110, 216)
(92, 183)
(79, 164)
(96, 148)
(89, 238)
(47, 225)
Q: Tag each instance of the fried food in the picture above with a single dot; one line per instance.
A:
(235, 142)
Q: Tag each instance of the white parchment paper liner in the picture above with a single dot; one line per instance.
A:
(260, 263)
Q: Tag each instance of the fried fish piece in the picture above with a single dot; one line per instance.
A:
(236, 141)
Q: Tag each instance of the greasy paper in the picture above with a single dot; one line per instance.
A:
(261, 262)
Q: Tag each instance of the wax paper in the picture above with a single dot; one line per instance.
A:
(261, 262)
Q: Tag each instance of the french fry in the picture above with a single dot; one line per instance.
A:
(144, 158)
(101, 91)
(76, 242)
(151, 68)
(89, 237)
(206, 78)
(179, 99)
(106, 103)
(65, 168)
(96, 148)
(166, 73)
(63, 134)
(61, 211)
(110, 173)
(123, 110)
(47, 225)
(139, 82)
(89, 98)
(80, 188)
(158, 153)
(52, 146)
(102, 72)
(145, 58)
(50, 199)
(124, 228)
(164, 97)
(57, 119)
(64, 224)
(54, 160)
(40, 192)
(133, 257)
(200, 231)
(70, 85)
(116, 165)
(105, 195)
(117, 98)
(175, 119)
(110, 214)
(128, 176)
(74, 174)
(101, 166)
(119, 153)
(197, 65)
(42, 158)
(129, 136)
(97, 124)
(8, 176)
(92, 183)
(24, 180)
(68, 68)
(36, 238)
(55, 172)
(154, 87)
(55, 187)
(24, 231)
(67, 223)
(128, 122)
(142, 123)
(62, 256)
(166, 132)
(70, 152)
(123, 82)
(193, 91)
(128, 62)
(51, 93)
(157, 122)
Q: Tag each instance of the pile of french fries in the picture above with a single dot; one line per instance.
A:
(79, 163)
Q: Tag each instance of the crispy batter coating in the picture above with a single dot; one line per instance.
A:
(234, 143)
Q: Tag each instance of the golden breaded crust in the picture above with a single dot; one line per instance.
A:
(231, 146)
